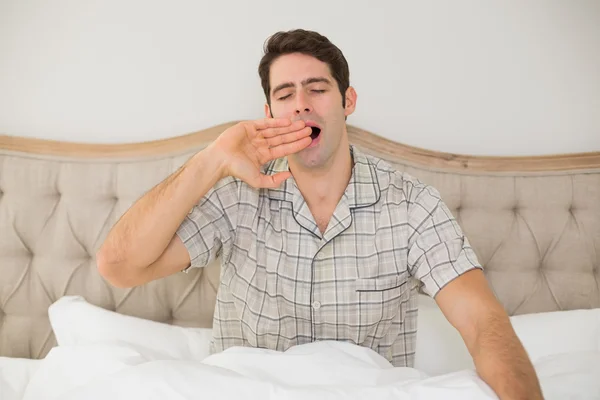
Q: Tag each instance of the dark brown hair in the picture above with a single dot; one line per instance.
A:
(309, 43)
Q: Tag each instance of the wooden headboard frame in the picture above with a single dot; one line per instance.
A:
(360, 137)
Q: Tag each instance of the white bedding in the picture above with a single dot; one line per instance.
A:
(15, 374)
(106, 355)
(322, 370)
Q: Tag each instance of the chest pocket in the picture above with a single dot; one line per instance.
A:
(382, 302)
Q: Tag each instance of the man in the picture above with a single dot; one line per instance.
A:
(318, 241)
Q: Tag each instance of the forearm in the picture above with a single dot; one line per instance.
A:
(145, 230)
(502, 362)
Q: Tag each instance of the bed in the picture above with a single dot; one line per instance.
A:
(534, 223)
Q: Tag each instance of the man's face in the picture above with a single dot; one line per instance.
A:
(302, 87)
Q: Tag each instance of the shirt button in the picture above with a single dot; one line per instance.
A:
(316, 305)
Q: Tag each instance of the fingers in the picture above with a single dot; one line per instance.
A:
(270, 132)
(289, 148)
(266, 123)
(288, 137)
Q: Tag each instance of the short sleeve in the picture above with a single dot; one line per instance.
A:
(438, 251)
(208, 229)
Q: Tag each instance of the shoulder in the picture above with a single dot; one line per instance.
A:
(394, 183)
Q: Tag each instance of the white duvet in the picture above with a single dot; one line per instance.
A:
(103, 355)
(322, 370)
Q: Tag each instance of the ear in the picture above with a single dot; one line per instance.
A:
(268, 111)
(350, 101)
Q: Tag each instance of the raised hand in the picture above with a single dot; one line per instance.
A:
(248, 145)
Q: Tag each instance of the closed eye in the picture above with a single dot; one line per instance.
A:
(288, 95)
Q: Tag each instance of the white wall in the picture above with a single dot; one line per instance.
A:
(468, 76)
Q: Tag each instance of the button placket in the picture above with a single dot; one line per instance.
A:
(316, 304)
(320, 274)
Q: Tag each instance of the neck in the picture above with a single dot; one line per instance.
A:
(327, 183)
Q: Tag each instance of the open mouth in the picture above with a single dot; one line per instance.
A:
(315, 132)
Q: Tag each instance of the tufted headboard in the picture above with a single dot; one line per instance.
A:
(534, 223)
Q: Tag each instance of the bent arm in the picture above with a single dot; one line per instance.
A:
(142, 245)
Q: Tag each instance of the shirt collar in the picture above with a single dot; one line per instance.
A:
(362, 190)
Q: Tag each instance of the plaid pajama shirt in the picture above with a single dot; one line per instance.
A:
(283, 283)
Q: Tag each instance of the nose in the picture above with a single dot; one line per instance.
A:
(302, 105)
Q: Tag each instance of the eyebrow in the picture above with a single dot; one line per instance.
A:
(304, 83)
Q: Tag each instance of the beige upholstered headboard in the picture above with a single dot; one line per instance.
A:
(534, 223)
